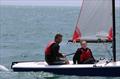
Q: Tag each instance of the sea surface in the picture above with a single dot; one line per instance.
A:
(26, 30)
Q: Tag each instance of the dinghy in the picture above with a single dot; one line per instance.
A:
(102, 68)
(95, 17)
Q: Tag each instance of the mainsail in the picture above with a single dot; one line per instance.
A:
(94, 21)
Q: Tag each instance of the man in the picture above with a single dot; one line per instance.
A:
(83, 55)
(52, 54)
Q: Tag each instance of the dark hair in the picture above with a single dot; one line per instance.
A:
(58, 35)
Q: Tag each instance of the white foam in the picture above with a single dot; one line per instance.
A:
(3, 68)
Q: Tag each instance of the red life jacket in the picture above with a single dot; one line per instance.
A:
(85, 55)
(48, 48)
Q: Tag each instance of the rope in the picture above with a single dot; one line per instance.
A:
(107, 50)
(81, 8)
(69, 54)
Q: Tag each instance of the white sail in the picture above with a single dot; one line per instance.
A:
(95, 19)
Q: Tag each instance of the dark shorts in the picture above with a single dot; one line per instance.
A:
(56, 61)
(89, 61)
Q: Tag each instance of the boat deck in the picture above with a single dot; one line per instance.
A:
(101, 63)
(102, 68)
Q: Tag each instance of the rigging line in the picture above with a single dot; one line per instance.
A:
(81, 8)
(80, 13)
(107, 50)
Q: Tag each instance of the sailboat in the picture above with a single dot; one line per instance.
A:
(95, 18)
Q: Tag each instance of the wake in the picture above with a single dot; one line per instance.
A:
(3, 68)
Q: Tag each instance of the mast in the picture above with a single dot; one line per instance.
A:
(114, 31)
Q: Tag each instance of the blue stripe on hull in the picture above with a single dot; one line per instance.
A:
(96, 71)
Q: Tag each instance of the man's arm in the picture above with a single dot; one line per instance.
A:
(76, 57)
(91, 54)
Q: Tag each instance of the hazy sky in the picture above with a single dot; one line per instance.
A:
(45, 2)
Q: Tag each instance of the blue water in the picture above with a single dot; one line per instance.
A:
(25, 31)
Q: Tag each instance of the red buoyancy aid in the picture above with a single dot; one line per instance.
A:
(48, 48)
(85, 55)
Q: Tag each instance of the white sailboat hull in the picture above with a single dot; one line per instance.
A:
(102, 68)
